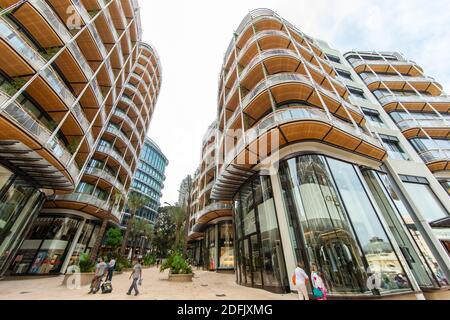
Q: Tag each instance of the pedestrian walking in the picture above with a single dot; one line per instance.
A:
(300, 280)
(111, 268)
(100, 270)
(319, 290)
(136, 274)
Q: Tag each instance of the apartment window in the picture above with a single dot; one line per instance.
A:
(373, 117)
(446, 185)
(424, 198)
(393, 148)
(333, 58)
(357, 93)
(344, 74)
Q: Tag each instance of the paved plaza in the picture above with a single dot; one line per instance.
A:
(155, 286)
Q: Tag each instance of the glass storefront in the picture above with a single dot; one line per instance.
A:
(217, 248)
(259, 254)
(86, 241)
(334, 225)
(19, 205)
(396, 214)
(46, 246)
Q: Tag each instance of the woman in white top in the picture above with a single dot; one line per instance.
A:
(301, 278)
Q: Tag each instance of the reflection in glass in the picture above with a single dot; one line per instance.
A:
(425, 200)
(337, 227)
(46, 245)
(416, 262)
(260, 260)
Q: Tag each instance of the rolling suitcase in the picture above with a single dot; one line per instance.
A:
(106, 287)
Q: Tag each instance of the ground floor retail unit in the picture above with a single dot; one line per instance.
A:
(351, 222)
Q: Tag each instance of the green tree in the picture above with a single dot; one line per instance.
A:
(178, 218)
(141, 229)
(135, 203)
(164, 233)
(114, 238)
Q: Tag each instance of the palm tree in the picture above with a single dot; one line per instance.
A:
(178, 217)
(141, 229)
(135, 203)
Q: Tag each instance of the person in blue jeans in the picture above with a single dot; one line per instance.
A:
(111, 267)
(137, 277)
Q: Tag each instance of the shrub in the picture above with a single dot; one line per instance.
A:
(122, 263)
(176, 264)
(149, 260)
(85, 264)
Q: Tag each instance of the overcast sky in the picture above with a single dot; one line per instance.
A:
(192, 36)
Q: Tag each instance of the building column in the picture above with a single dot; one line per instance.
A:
(98, 241)
(72, 247)
(288, 250)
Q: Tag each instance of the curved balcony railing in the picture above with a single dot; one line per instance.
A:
(64, 34)
(370, 79)
(244, 23)
(87, 18)
(216, 206)
(118, 133)
(109, 20)
(122, 115)
(254, 16)
(135, 91)
(117, 156)
(281, 78)
(275, 53)
(407, 124)
(207, 188)
(135, 108)
(209, 167)
(435, 155)
(49, 75)
(208, 150)
(88, 199)
(358, 62)
(36, 129)
(284, 116)
(392, 98)
(107, 176)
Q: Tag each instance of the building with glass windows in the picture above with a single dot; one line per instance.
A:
(148, 181)
(319, 158)
(77, 93)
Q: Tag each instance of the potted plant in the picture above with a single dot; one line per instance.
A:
(179, 269)
(85, 270)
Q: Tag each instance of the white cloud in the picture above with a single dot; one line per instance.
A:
(192, 36)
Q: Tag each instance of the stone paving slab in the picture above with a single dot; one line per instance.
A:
(205, 286)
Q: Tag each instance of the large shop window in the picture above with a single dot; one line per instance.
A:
(335, 226)
(415, 250)
(46, 245)
(260, 260)
(19, 205)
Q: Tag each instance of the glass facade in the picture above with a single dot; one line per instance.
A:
(19, 205)
(216, 250)
(259, 254)
(335, 226)
(149, 180)
(46, 246)
(417, 254)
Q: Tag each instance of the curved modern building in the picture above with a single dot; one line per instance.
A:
(211, 220)
(312, 175)
(148, 181)
(78, 89)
